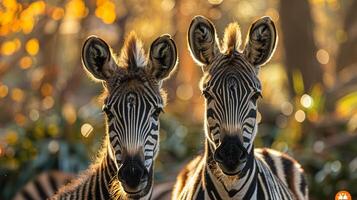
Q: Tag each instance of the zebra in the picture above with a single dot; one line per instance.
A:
(230, 167)
(47, 183)
(43, 185)
(133, 100)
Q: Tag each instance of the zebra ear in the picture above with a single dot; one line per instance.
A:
(97, 58)
(162, 57)
(202, 40)
(261, 41)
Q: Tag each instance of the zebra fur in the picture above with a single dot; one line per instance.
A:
(47, 183)
(230, 167)
(133, 101)
(44, 185)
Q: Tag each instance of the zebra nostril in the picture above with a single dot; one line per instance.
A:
(120, 175)
(218, 156)
(229, 155)
(145, 175)
(243, 156)
(132, 174)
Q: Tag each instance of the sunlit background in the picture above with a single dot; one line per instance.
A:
(50, 117)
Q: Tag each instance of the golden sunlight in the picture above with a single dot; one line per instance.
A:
(86, 129)
(32, 46)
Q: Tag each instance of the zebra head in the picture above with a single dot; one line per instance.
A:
(133, 103)
(231, 87)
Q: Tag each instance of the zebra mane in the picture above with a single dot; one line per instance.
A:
(83, 176)
(232, 38)
(132, 54)
(116, 190)
(73, 184)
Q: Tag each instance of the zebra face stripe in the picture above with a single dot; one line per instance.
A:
(133, 122)
(231, 89)
(230, 82)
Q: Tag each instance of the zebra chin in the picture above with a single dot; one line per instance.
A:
(136, 181)
(143, 190)
(232, 171)
(137, 190)
(231, 156)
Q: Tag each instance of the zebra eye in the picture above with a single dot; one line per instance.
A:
(106, 110)
(157, 112)
(256, 96)
(206, 94)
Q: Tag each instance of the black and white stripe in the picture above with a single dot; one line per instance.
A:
(231, 168)
(44, 185)
(133, 102)
(133, 122)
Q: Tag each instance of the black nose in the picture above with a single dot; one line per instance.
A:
(132, 174)
(230, 154)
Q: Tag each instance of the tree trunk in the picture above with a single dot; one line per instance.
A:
(297, 27)
(348, 49)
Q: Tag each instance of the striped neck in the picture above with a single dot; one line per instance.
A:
(105, 172)
(229, 187)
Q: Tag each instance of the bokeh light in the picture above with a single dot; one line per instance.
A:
(300, 116)
(8, 48)
(57, 13)
(184, 91)
(322, 56)
(215, 2)
(53, 129)
(3, 91)
(11, 137)
(69, 113)
(319, 146)
(53, 146)
(76, 9)
(167, 5)
(25, 62)
(306, 101)
(287, 108)
(46, 89)
(17, 94)
(86, 129)
(32, 46)
(34, 115)
(106, 11)
(48, 102)
(20, 119)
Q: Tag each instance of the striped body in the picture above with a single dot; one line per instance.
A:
(44, 185)
(231, 168)
(47, 183)
(133, 101)
(98, 182)
(274, 175)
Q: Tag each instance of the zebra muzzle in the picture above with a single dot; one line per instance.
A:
(133, 176)
(230, 155)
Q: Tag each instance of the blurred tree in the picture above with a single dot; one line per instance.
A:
(298, 39)
(346, 57)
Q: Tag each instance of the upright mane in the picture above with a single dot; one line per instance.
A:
(132, 55)
(232, 38)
